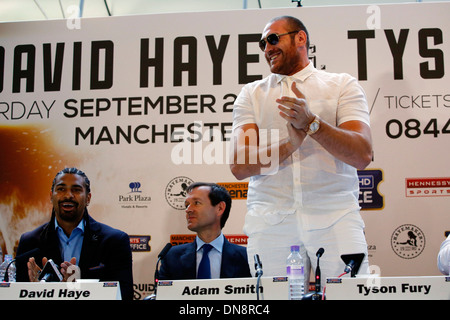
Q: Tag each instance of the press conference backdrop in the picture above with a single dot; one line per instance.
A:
(143, 105)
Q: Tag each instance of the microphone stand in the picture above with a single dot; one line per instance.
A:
(317, 294)
(258, 280)
(259, 273)
(19, 258)
(161, 255)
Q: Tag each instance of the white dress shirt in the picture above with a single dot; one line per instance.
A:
(312, 181)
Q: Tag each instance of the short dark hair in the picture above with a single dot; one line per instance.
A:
(294, 24)
(216, 195)
(73, 170)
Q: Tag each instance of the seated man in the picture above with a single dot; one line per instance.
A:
(443, 260)
(73, 238)
(207, 209)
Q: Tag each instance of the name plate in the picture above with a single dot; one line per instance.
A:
(60, 291)
(388, 288)
(270, 288)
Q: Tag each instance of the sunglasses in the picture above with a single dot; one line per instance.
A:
(272, 39)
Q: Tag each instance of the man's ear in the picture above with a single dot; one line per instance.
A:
(221, 208)
(88, 199)
(301, 37)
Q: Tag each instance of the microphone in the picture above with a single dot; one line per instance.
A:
(318, 255)
(320, 252)
(259, 273)
(317, 294)
(352, 263)
(20, 259)
(164, 251)
(348, 268)
(161, 256)
(258, 265)
(50, 273)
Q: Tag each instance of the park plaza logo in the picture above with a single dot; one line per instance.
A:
(135, 198)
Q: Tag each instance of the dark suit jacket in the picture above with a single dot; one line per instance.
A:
(105, 253)
(180, 262)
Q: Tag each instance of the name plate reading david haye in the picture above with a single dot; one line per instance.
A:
(60, 291)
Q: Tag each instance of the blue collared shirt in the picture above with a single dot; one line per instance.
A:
(71, 246)
(215, 255)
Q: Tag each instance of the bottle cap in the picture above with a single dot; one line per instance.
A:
(295, 248)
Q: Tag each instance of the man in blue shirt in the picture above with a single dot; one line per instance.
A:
(207, 209)
(82, 246)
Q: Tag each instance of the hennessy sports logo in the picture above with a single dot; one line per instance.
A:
(427, 187)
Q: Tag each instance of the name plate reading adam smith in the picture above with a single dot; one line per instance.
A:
(270, 288)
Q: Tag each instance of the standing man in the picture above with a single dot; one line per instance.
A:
(72, 238)
(309, 197)
(207, 209)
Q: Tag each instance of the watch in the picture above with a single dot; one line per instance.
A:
(313, 126)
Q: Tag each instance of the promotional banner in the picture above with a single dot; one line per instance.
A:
(143, 104)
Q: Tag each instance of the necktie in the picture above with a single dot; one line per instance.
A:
(204, 269)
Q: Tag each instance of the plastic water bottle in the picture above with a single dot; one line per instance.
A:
(2, 270)
(11, 269)
(295, 273)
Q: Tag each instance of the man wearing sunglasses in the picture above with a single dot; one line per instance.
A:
(315, 126)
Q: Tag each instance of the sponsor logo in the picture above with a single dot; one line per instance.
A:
(176, 192)
(140, 243)
(371, 249)
(334, 280)
(279, 279)
(239, 239)
(176, 239)
(134, 199)
(142, 290)
(408, 241)
(427, 187)
(237, 190)
(109, 284)
(369, 196)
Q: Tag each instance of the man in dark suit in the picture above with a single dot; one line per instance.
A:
(81, 246)
(207, 209)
